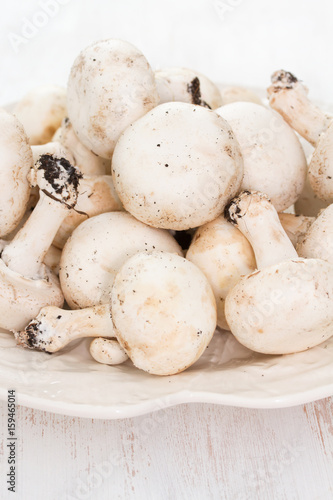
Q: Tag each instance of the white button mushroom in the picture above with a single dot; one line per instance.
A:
(317, 242)
(163, 311)
(54, 328)
(96, 250)
(16, 162)
(110, 86)
(224, 255)
(26, 284)
(186, 85)
(41, 112)
(177, 167)
(289, 97)
(85, 160)
(286, 306)
(237, 94)
(107, 351)
(274, 161)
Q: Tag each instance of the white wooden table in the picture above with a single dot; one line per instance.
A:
(192, 451)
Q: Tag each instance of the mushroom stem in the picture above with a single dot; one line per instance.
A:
(58, 181)
(54, 328)
(26, 252)
(288, 96)
(255, 216)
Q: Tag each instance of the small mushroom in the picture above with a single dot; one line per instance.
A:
(163, 311)
(295, 226)
(286, 305)
(110, 86)
(224, 255)
(317, 242)
(16, 162)
(274, 161)
(41, 112)
(237, 94)
(107, 351)
(186, 85)
(97, 249)
(289, 97)
(96, 195)
(84, 159)
(54, 328)
(26, 284)
(177, 167)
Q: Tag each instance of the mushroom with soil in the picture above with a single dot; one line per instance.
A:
(26, 284)
(41, 111)
(289, 97)
(187, 85)
(286, 305)
(177, 167)
(110, 86)
(163, 314)
(274, 161)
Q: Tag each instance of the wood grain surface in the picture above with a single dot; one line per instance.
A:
(192, 451)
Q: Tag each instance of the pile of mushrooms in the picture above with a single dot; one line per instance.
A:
(145, 209)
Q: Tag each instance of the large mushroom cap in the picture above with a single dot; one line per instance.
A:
(111, 85)
(164, 312)
(97, 249)
(177, 167)
(274, 161)
(16, 161)
(284, 308)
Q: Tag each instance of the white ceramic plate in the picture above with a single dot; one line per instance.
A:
(71, 383)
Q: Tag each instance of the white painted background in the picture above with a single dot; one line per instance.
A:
(193, 451)
(241, 41)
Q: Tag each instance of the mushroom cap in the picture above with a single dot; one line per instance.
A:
(16, 162)
(321, 166)
(164, 312)
(111, 85)
(97, 249)
(224, 255)
(187, 85)
(284, 308)
(107, 351)
(274, 161)
(177, 167)
(84, 159)
(22, 298)
(41, 111)
(317, 243)
(237, 94)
